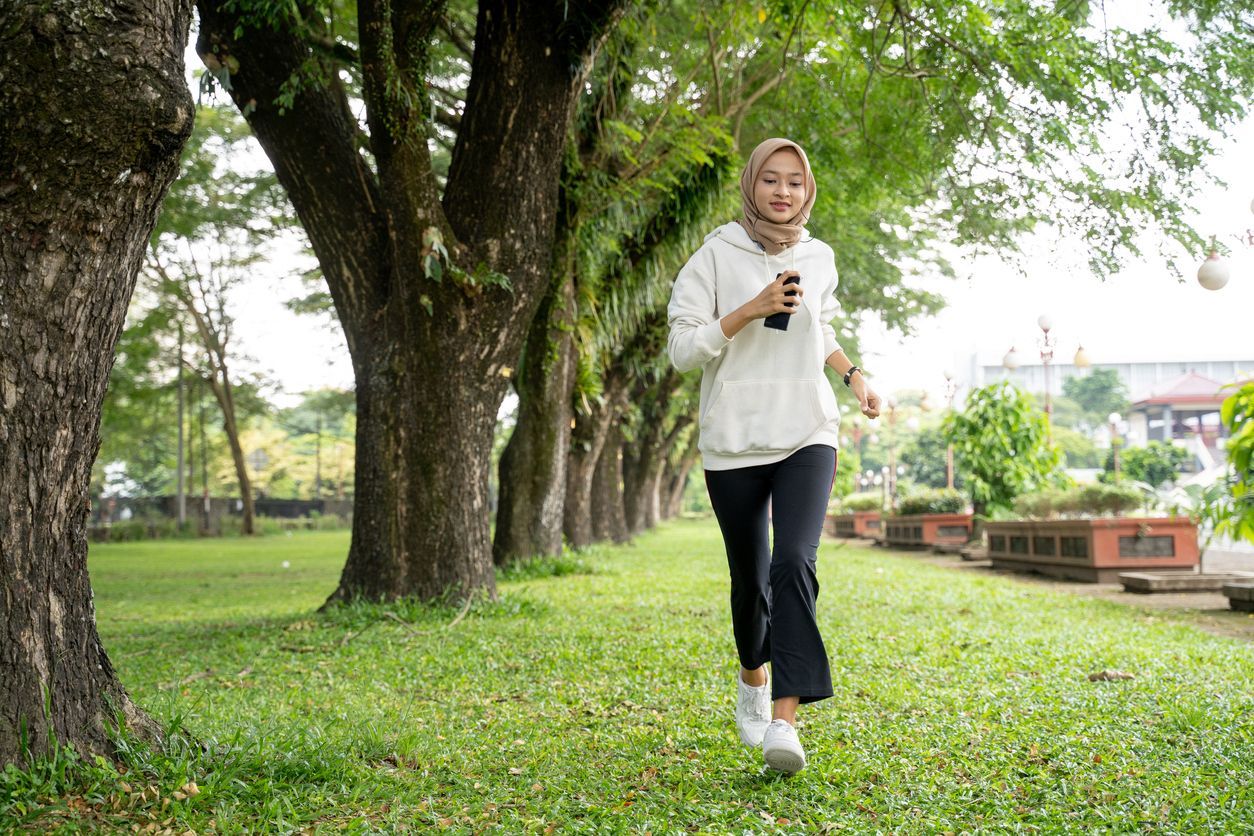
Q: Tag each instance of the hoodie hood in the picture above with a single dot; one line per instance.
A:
(733, 233)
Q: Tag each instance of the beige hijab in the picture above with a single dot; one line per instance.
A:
(775, 238)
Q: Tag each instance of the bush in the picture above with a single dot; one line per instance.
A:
(861, 502)
(145, 528)
(1155, 464)
(1115, 500)
(933, 501)
(166, 528)
(1085, 500)
(1040, 504)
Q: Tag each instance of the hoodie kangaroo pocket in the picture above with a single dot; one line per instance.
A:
(761, 416)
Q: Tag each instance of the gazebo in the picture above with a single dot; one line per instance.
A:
(1183, 410)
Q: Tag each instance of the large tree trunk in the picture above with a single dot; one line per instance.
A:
(645, 459)
(591, 430)
(409, 443)
(609, 520)
(677, 480)
(532, 480)
(430, 350)
(95, 110)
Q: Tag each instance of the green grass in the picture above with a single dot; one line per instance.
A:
(596, 696)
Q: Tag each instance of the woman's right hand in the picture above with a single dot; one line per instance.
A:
(772, 298)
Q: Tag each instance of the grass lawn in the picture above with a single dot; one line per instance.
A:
(600, 700)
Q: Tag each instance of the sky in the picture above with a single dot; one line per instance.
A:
(1142, 313)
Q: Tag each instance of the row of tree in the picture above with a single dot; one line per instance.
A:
(497, 195)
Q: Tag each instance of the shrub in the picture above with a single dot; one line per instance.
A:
(146, 528)
(933, 501)
(1087, 500)
(1115, 500)
(861, 502)
(1040, 504)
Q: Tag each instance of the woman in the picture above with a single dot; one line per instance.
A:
(768, 431)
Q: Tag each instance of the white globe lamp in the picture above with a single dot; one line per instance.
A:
(1214, 272)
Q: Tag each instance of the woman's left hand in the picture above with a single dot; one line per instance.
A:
(867, 399)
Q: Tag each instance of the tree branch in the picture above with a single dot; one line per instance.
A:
(394, 62)
(310, 138)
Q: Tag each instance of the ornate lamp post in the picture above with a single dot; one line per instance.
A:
(858, 435)
(951, 389)
(1114, 418)
(1047, 345)
(891, 474)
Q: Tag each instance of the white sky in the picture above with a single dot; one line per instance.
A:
(1141, 314)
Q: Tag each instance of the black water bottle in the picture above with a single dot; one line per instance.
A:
(779, 321)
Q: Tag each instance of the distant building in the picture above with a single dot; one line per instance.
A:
(1137, 377)
(1183, 411)
(1171, 401)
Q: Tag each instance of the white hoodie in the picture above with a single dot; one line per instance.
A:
(763, 392)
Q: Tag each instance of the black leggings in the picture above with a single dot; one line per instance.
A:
(773, 590)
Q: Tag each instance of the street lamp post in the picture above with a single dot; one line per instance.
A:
(1047, 343)
(891, 477)
(1114, 418)
(951, 389)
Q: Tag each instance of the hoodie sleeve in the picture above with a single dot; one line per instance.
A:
(831, 307)
(696, 337)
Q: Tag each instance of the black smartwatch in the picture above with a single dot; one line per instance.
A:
(849, 374)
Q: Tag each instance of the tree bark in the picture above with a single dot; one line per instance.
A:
(677, 480)
(591, 430)
(95, 111)
(431, 350)
(645, 458)
(226, 401)
(609, 520)
(532, 481)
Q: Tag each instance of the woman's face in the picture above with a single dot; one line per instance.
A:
(780, 190)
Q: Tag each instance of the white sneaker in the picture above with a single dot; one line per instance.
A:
(753, 710)
(781, 749)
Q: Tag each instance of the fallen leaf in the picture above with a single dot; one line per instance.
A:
(1110, 676)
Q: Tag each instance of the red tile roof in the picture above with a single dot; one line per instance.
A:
(1191, 388)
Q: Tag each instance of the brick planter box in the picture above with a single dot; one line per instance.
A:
(1095, 550)
(927, 530)
(857, 524)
